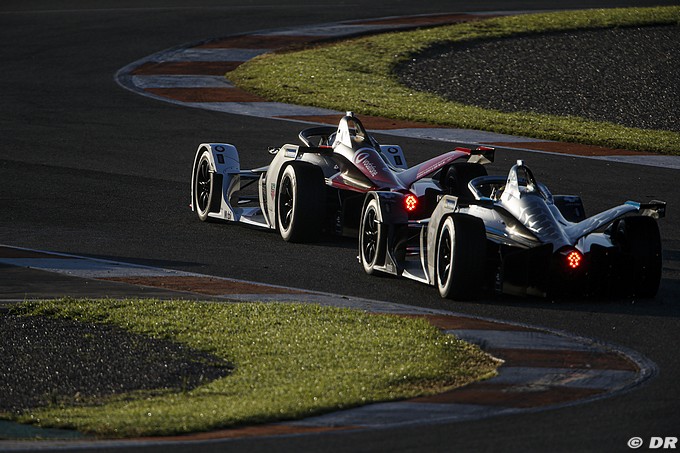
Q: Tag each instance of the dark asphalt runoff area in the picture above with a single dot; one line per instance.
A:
(45, 359)
(582, 73)
(91, 169)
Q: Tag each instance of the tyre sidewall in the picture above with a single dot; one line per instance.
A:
(467, 258)
(204, 160)
(448, 228)
(369, 266)
(308, 192)
(287, 174)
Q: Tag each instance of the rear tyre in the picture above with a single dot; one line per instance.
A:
(371, 238)
(206, 187)
(455, 178)
(640, 241)
(460, 257)
(571, 207)
(300, 202)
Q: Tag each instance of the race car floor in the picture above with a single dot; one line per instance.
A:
(192, 75)
(542, 369)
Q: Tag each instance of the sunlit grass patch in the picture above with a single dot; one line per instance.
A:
(358, 75)
(290, 361)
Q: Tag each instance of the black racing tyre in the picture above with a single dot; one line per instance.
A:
(300, 202)
(454, 179)
(206, 189)
(371, 238)
(640, 241)
(460, 257)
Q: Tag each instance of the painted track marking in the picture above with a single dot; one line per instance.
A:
(189, 74)
(543, 368)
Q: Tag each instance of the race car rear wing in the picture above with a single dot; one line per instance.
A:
(480, 155)
(655, 208)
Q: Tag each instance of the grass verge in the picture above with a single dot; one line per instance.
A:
(358, 75)
(291, 361)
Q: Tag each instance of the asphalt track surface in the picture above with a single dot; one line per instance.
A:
(91, 169)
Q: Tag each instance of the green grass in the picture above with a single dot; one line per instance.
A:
(291, 361)
(358, 75)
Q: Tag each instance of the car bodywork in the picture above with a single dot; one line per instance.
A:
(314, 187)
(510, 233)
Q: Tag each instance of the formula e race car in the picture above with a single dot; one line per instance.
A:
(319, 186)
(512, 235)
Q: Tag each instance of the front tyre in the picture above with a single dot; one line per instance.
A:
(300, 202)
(206, 187)
(371, 238)
(460, 257)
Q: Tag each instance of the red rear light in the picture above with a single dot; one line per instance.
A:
(573, 259)
(411, 202)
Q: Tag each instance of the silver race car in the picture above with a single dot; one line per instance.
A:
(318, 186)
(513, 235)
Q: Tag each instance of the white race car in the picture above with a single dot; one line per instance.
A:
(513, 235)
(318, 186)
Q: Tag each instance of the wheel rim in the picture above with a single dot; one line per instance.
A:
(203, 186)
(286, 202)
(444, 261)
(370, 236)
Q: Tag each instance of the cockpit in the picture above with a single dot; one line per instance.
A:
(519, 183)
(352, 134)
(346, 140)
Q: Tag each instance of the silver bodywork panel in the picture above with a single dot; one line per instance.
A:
(517, 212)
